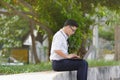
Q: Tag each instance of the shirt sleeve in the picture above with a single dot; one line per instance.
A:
(57, 43)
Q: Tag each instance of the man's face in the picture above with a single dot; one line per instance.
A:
(72, 30)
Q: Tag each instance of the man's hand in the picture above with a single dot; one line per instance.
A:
(72, 56)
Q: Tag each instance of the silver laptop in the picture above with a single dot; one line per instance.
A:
(92, 48)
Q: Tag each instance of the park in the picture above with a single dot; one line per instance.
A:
(27, 28)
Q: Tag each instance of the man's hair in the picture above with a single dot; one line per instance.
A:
(71, 22)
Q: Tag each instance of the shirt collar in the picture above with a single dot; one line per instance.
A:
(64, 34)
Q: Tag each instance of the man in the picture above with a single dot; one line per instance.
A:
(61, 59)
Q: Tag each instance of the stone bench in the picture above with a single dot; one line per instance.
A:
(95, 73)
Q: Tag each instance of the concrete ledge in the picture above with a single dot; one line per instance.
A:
(104, 73)
(95, 73)
(48, 75)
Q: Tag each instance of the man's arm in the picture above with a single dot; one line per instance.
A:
(60, 53)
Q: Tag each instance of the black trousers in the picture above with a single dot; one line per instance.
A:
(72, 64)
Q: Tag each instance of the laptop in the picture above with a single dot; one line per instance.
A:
(92, 48)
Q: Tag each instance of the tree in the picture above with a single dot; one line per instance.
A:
(27, 17)
(11, 31)
(53, 13)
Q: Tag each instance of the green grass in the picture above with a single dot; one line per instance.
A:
(47, 66)
(25, 68)
(94, 63)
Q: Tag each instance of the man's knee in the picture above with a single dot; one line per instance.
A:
(84, 63)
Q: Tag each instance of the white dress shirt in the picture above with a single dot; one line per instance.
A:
(59, 42)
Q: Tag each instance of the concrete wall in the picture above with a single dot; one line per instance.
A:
(104, 73)
(95, 73)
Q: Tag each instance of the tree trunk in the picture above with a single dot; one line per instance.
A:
(34, 52)
(82, 51)
(117, 43)
(49, 46)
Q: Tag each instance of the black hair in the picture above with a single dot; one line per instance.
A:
(71, 22)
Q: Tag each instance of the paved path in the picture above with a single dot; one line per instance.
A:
(29, 76)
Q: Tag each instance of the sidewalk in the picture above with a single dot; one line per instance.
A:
(29, 76)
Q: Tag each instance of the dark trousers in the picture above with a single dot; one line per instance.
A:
(72, 64)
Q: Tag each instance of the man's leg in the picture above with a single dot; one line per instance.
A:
(82, 71)
(72, 64)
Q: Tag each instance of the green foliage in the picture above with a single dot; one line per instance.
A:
(107, 34)
(50, 14)
(106, 30)
(89, 5)
(53, 13)
(7, 1)
(12, 29)
(71, 9)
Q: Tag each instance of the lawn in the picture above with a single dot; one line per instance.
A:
(47, 66)
(94, 63)
(25, 68)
